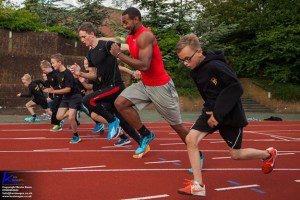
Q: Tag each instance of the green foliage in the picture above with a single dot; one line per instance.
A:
(286, 92)
(64, 32)
(261, 38)
(19, 20)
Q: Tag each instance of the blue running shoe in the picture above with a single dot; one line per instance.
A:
(122, 142)
(75, 139)
(32, 119)
(99, 127)
(113, 129)
(144, 143)
(201, 162)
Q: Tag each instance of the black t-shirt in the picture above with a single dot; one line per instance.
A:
(81, 88)
(35, 91)
(52, 78)
(66, 79)
(108, 72)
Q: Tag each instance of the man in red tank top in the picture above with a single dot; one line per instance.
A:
(156, 85)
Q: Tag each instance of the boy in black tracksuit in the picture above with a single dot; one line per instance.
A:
(52, 81)
(38, 97)
(223, 110)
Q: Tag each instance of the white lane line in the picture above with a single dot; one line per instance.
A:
(298, 181)
(86, 167)
(148, 197)
(165, 161)
(236, 187)
(218, 158)
(170, 144)
(283, 154)
(217, 142)
(285, 138)
(28, 138)
(52, 149)
(108, 147)
(117, 150)
(153, 169)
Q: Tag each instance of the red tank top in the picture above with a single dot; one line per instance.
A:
(156, 75)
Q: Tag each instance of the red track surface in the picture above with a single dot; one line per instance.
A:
(123, 177)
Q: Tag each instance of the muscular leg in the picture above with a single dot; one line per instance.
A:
(181, 131)
(125, 108)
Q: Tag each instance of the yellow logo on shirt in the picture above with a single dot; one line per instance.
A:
(36, 88)
(62, 79)
(99, 78)
(214, 80)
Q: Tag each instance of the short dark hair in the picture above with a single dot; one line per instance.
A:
(58, 57)
(132, 12)
(87, 27)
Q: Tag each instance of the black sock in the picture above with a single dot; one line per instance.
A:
(76, 134)
(201, 154)
(144, 131)
(34, 115)
(123, 136)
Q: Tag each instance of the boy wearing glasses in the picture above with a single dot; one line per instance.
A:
(223, 111)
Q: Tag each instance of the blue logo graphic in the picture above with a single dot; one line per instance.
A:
(8, 179)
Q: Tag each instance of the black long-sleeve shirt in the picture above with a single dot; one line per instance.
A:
(220, 90)
(35, 91)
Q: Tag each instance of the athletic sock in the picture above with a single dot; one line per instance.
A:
(34, 115)
(76, 134)
(144, 131)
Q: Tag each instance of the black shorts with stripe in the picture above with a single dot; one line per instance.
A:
(231, 135)
(42, 102)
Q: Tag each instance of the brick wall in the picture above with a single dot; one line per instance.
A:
(21, 52)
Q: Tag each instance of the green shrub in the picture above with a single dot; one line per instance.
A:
(63, 31)
(280, 91)
(19, 20)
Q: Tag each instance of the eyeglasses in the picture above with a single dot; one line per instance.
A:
(188, 59)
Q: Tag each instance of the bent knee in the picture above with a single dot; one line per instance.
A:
(191, 140)
(235, 154)
(120, 103)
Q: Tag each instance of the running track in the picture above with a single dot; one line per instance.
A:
(94, 169)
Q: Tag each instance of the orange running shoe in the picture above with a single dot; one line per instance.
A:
(269, 164)
(140, 155)
(193, 188)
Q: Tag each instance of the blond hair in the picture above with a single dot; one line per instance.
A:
(58, 57)
(45, 63)
(190, 40)
(26, 77)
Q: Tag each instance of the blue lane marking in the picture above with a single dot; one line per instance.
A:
(176, 163)
(259, 191)
(232, 182)
(162, 159)
(253, 189)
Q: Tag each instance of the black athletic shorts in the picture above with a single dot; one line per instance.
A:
(73, 102)
(231, 135)
(42, 102)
